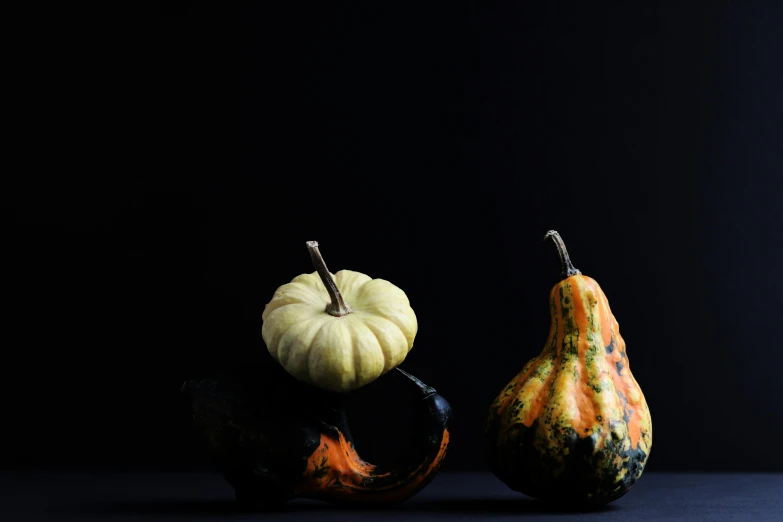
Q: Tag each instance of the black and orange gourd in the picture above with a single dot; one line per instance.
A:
(573, 426)
(274, 439)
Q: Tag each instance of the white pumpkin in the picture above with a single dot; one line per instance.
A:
(341, 338)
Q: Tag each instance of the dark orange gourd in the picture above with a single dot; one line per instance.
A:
(573, 426)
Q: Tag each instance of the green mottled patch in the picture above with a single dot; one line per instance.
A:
(516, 407)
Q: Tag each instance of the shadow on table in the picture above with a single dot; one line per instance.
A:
(521, 505)
(228, 507)
(197, 508)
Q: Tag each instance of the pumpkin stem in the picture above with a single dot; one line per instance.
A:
(338, 307)
(566, 267)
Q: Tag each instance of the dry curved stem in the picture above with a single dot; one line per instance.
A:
(338, 307)
(566, 267)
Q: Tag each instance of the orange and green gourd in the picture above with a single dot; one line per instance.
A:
(573, 426)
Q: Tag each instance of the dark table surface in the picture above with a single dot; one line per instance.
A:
(452, 496)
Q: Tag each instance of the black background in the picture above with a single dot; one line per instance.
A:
(167, 163)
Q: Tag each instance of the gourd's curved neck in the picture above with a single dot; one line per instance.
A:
(566, 267)
(391, 484)
(338, 307)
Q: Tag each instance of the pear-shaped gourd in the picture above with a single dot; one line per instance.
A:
(338, 332)
(573, 426)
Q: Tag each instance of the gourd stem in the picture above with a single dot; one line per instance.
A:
(566, 267)
(338, 307)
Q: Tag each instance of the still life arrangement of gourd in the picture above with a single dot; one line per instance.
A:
(571, 428)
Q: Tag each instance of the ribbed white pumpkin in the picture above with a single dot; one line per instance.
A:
(339, 353)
